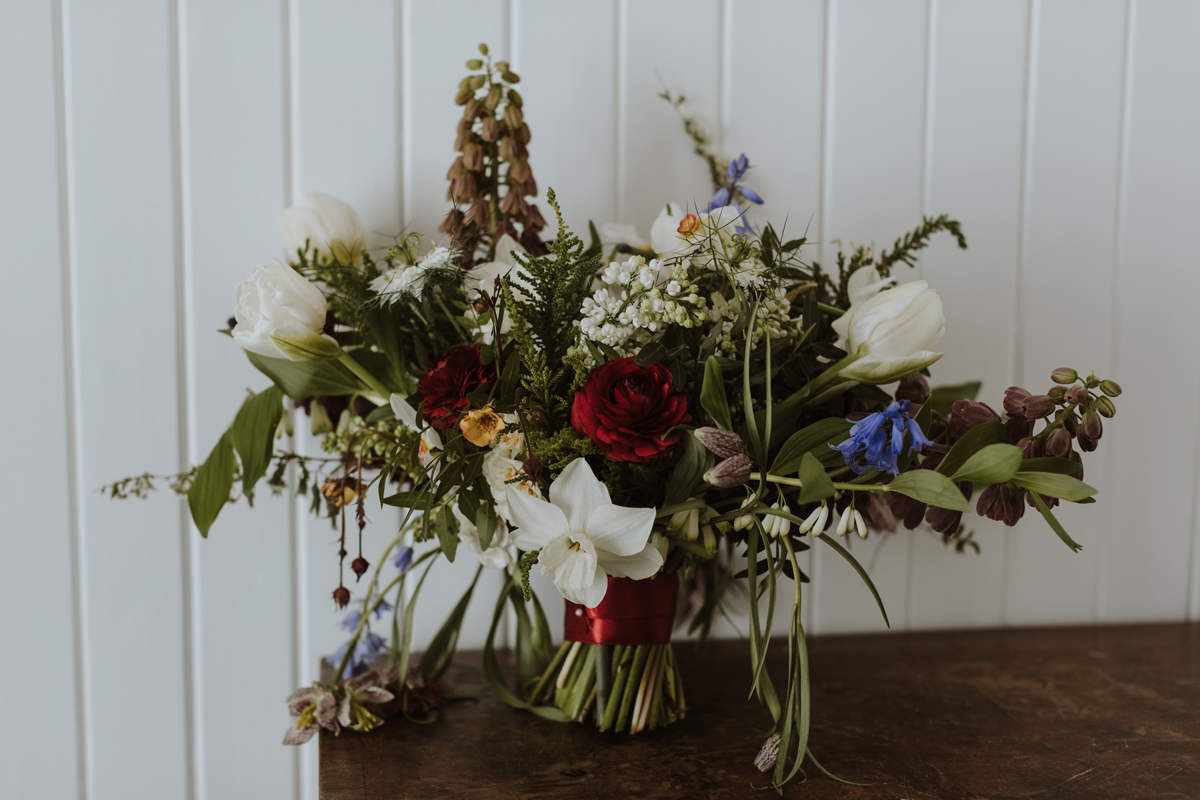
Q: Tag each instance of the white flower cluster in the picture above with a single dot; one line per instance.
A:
(773, 319)
(410, 279)
(636, 298)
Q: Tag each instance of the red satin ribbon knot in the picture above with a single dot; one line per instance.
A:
(632, 612)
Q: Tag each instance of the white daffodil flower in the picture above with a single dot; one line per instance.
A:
(497, 556)
(582, 536)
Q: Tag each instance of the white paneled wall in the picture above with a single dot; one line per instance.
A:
(148, 147)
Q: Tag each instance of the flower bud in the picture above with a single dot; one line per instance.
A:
(1030, 447)
(1093, 428)
(1017, 428)
(1038, 406)
(532, 467)
(966, 414)
(359, 565)
(1110, 388)
(1072, 423)
(1064, 375)
(1077, 394)
(1014, 400)
(722, 443)
(491, 129)
(1057, 393)
(1058, 443)
(1086, 443)
(341, 596)
(733, 471)
(483, 48)
(513, 116)
(913, 388)
(464, 95)
(474, 63)
(1105, 407)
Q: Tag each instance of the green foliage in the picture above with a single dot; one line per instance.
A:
(933, 488)
(996, 463)
(210, 490)
(253, 436)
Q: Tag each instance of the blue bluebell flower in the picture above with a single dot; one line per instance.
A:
(404, 559)
(354, 616)
(368, 650)
(735, 173)
(880, 438)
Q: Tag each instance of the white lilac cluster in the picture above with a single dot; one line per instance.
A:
(773, 319)
(636, 298)
(410, 279)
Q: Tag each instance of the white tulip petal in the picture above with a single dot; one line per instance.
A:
(578, 493)
(619, 530)
(538, 522)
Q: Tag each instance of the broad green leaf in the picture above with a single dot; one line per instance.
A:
(485, 523)
(254, 436)
(1052, 484)
(971, 443)
(712, 394)
(511, 378)
(817, 485)
(407, 499)
(1063, 466)
(996, 463)
(932, 488)
(316, 347)
(210, 490)
(1056, 525)
(693, 461)
(446, 534)
(821, 432)
(942, 398)
(441, 648)
(652, 353)
(301, 380)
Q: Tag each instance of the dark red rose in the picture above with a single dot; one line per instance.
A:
(625, 409)
(446, 384)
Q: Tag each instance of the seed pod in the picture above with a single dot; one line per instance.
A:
(341, 597)
(1064, 375)
(1092, 427)
(359, 565)
(474, 63)
(1077, 394)
(1058, 443)
(1105, 407)
(1110, 388)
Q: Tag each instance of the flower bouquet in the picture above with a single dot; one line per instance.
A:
(648, 423)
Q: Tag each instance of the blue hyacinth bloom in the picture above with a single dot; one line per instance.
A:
(735, 173)
(880, 438)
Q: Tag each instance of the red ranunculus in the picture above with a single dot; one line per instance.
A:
(446, 384)
(625, 409)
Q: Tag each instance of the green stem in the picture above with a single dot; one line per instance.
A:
(603, 679)
(675, 508)
(828, 309)
(830, 375)
(366, 377)
(845, 487)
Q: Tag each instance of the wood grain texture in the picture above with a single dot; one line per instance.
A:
(1093, 713)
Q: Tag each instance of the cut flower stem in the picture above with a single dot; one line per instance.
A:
(633, 687)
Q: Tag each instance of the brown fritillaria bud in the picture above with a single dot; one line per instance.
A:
(1058, 443)
(1077, 394)
(341, 596)
(1105, 407)
(733, 471)
(532, 467)
(1092, 427)
(1014, 400)
(719, 442)
(1064, 375)
(1110, 388)
(966, 414)
(1038, 406)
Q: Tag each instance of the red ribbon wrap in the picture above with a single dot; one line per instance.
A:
(632, 612)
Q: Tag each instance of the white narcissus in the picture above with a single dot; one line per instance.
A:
(430, 438)
(497, 556)
(890, 334)
(328, 226)
(583, 537)
(281, 314)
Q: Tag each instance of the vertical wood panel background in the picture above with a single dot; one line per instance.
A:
(150, 146)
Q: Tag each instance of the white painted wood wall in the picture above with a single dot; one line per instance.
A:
(147, 149)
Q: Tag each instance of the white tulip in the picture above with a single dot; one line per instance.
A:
(890, 334)
(329, 226)
(281, 314)
(583, 537)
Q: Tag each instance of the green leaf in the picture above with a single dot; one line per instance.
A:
(942, 398)
(485, 523)
(1052, 484)
(821, 432)
(862, 573)
(1063, 466)
(511, 377)
(712, 394)
(817, 485)
(254, 436)
(693, 461)
(210, 490)
(301, 380)
(318, 347)
(932, 488)
(406, 499)
(1056, 525)
(447, 536)
(996, 463)
(495, 678)
(441, 648)
(652, 353)
(971, 443)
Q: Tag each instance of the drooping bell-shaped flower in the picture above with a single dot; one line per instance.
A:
(880, 438)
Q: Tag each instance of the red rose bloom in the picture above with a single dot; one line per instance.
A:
(446, 384)
(625, 409)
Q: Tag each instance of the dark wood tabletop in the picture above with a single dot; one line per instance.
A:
(1111, 712)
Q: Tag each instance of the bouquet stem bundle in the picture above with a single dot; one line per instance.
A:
(625, 688)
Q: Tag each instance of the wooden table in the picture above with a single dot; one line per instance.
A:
(1109, 712)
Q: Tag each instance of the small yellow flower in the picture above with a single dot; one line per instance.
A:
(688, 226)
(481, 426)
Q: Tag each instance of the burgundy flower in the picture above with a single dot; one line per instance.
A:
(451, 376)
(625, 409)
